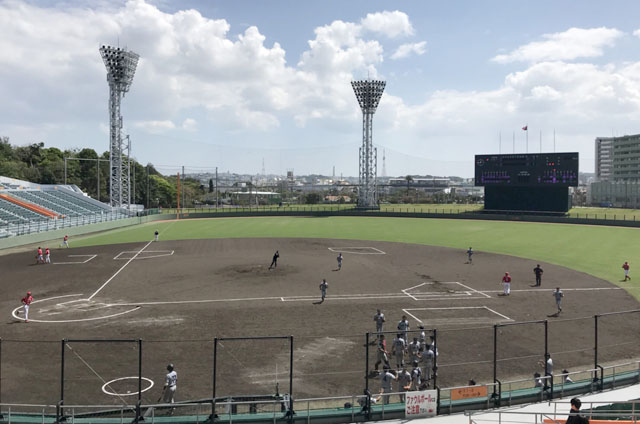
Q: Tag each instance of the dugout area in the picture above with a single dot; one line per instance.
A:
(178, 296)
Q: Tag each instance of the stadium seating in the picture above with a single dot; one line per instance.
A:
(11, 212)
(43, 199)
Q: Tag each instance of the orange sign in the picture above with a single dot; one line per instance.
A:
(469, 392)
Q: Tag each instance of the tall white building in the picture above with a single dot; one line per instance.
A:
(617, 172)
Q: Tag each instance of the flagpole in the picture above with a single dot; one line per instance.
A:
(500, 142)
(514, 142)
(527, 131)
(554, 140)
(540, 141)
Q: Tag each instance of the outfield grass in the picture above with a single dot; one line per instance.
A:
(596, 250)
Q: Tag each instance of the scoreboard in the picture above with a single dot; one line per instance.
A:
(527, 170)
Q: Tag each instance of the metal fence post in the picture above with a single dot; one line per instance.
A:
(366, 362)
(213, 396)
(138, 414)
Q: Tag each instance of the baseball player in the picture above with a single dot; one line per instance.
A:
(404, 382)
(403, 326)
(323, 289)
(386, 379)
(379, 319)
(274, 261)
(506, 282)
(47, 256)
(170, 385)
(416, 376)
(558, 295)
(414, 350)
(382, 352)
(625, 266)
(398, 349)
(156, 234)
(538, 271)
(65, 241)
(427, 358)
(39, 258)
(469, 254)
(26, 301)
(423, 337)
(339, 261)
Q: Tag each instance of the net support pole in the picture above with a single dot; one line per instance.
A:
(435, 360)
(59, 413)
(1, 416)
(290, 412)
(495, 358)
(366, 362)
(595, 345)
(547, 356)
(213, 394)
(138, 412)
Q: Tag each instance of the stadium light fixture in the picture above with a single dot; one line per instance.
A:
(121, 67)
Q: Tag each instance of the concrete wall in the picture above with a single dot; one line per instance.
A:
(57, 235)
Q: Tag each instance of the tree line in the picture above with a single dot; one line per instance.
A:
(38, 164)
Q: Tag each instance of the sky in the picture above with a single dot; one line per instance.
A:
(244, 85)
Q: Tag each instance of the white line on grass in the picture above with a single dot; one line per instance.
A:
(118, 271)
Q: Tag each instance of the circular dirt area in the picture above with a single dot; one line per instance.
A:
(177, 296)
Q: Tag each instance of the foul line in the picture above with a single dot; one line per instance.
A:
(346, 250)
(473, 290)
(118, 272)
(550, 290)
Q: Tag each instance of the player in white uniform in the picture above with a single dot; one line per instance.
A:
(427, 358)
(382, 353)
(399, 346)
(156, 234)
(414, 350)
(403, 326)
(170, 385)
(386, 379)
(404, 382)
(339, 261)
(379, 319)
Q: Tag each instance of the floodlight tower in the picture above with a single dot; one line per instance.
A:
(121, 66)
(368, 93)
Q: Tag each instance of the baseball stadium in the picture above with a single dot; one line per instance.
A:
(254, 342)
(132, 294)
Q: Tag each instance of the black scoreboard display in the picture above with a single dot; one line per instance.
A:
(527, 170)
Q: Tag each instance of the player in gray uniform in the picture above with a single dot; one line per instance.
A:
(427, 358)
(403, 326)
(558, 295)
(414, 350)
(423, 337)
(386, 379)
(416, 376)
(399, 346)
(382, 353)
(339, 258)
(469, 254)
(323, 289)
(404, 382)
(379, 319)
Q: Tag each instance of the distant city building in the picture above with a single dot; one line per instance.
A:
(617, 172)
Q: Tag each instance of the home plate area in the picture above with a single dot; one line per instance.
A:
(460, 315)
(443, 290)
(145, 254)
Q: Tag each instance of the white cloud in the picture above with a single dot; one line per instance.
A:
(189, 124)
(391, 24)
(155, 127)
(405, 50)
(637, 33)
(569, 45)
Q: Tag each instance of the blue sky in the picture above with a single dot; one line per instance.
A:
(233, 83)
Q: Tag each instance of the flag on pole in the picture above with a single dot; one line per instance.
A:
(525, 128)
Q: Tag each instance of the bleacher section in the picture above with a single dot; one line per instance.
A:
(27, 208)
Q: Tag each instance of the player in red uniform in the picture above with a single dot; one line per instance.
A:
(506, 282)
(47, 256)
(626, 267)
(65, 241)
(26, 301)
(39, 258)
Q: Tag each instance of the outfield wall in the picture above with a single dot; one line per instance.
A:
(247, 212)
(57, 235)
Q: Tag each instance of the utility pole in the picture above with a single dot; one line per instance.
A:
(183, 199)
(147, 186)
(216, 187)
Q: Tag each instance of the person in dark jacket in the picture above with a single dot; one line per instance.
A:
(574, 415)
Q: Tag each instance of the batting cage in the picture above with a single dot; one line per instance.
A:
(101, 372)
(252, 375)
(523, 362)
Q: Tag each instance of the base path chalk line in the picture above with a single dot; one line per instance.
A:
(76, 262)
(118, 271)
(551, 290)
